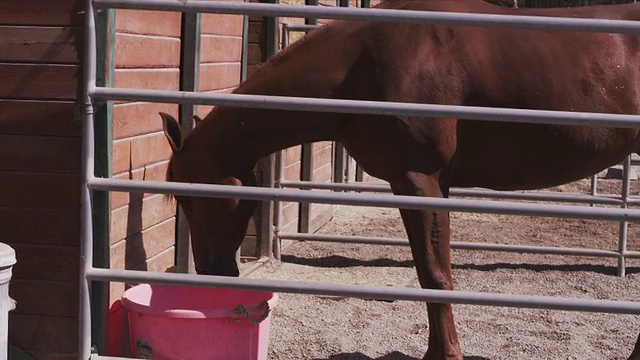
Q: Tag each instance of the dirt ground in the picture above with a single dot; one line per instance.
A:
(314, 327)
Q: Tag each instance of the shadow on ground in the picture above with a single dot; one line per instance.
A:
(335, 261)
(598, 269)
(391, 356)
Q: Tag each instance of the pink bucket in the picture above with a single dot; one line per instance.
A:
(180, 322)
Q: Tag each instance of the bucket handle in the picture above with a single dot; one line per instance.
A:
(241, 310)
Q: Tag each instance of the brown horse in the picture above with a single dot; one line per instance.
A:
(437, 64)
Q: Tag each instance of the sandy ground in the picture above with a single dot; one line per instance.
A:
(315, 327)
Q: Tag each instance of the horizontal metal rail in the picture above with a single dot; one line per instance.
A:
(301, 28)
(371, 292)
(538, 195)
(383, 15)
(370, 107)
(377, 200)
(460, 245)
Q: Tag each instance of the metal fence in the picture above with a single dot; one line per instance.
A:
(90, 183)
(624, 200)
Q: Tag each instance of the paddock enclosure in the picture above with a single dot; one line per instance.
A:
(44, 215)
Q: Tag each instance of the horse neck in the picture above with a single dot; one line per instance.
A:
(243, 136)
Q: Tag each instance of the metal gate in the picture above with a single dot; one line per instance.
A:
(90, 183)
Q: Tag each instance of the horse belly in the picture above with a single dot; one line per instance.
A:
(524, 156)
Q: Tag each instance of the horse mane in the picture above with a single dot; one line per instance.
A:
(277, 58)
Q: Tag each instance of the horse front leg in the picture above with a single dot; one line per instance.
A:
(428, 233)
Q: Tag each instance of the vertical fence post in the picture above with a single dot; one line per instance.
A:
(338, 149)
(624, 226)
(101, 209)
(266, 245)
(306, 169)
(189, 79)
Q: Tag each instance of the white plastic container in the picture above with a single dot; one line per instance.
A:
(7, 260)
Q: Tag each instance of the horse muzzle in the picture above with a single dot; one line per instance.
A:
(220, 267)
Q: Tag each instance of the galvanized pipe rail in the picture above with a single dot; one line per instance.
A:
(374, 200)
(381, 15)
(92, 94)
(529, 195)
(461, 245)
(303, 104)
(371, 292)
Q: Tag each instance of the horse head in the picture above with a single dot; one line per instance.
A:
(217, 226)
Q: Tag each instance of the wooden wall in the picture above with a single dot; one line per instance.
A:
(40, 141)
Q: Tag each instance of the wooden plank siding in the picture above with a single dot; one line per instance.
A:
(40, 147)
(41, 13)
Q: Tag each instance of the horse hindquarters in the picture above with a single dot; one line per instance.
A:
(428, 233)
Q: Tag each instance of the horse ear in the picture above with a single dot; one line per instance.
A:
(172, 131)
(196, 120)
